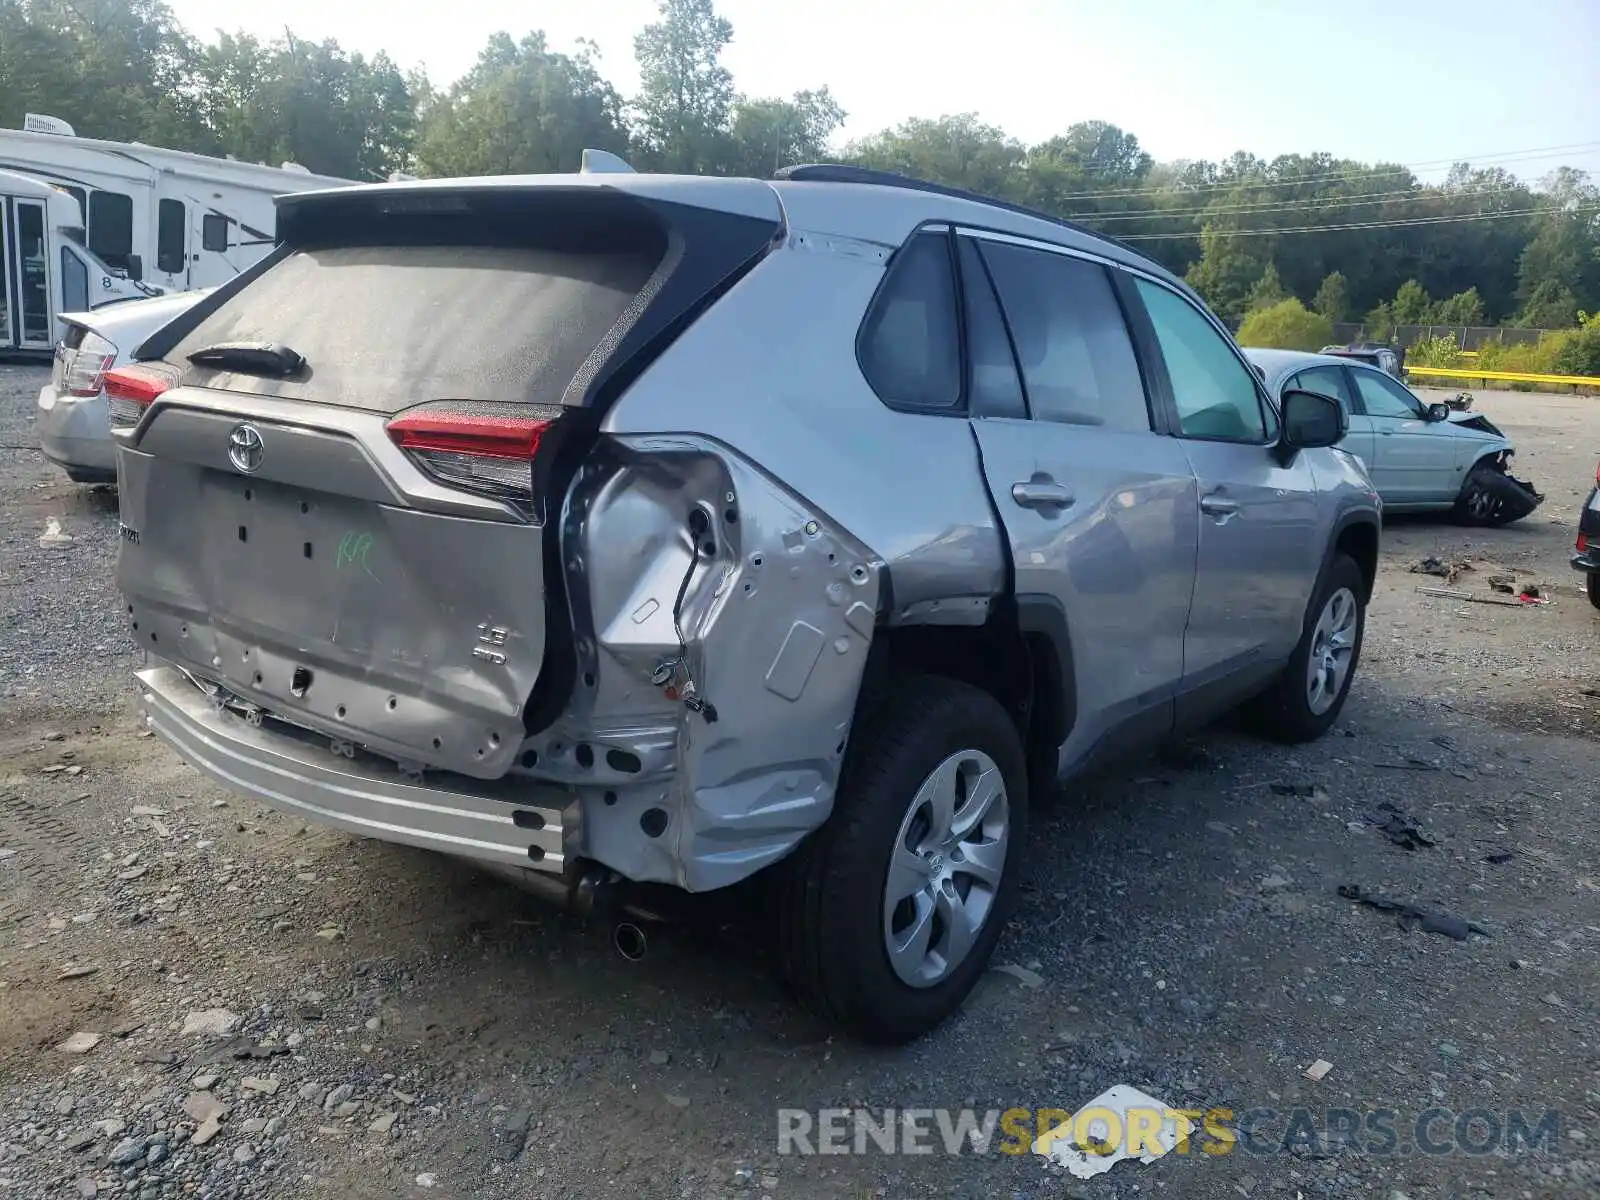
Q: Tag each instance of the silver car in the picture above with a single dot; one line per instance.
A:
(617, 528)
(72, 422)
(1422, 457)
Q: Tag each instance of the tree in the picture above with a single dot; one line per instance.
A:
(1266, 291)
(959, 151)
(312, 103)
(522, 109)
(1551, 306)
(1228, 269)
(1333, 297)
(685, 93)
(1464, 308)
(1287, 325)
(766, 134)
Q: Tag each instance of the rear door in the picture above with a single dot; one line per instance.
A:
(1257, 518)
(356, 541)
(1334, 382)
(1099, 507)
(1414, 460)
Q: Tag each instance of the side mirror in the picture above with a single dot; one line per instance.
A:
(1310, 421)
(135, 268)
(1438, 412)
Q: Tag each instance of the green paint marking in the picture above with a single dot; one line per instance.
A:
(353, 548)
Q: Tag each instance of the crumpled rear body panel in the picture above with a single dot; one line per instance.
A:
(776, 621)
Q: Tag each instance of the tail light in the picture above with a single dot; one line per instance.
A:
(1583, 542)
(491, 452)
(132, 389)
(80, 369)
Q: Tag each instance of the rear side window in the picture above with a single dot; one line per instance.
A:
(172, 237)
(910, 344)
(111, 226)
(1325, 381)
(1077, 359)
(995, 386)
(385, 327)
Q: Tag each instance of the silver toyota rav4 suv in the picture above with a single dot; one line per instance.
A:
(618, 529)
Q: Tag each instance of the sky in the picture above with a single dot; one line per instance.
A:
(1409, 81)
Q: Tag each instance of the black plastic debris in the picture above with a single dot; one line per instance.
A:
(1410, 914)
(1499, 858)
(244, 1047)
(1399, 827)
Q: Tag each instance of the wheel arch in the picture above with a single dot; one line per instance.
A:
(1021, 655)
(1356, 534)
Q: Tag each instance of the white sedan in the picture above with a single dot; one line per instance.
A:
(73, 421)
(1422, 457)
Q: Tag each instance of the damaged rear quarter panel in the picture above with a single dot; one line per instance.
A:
(758, 411)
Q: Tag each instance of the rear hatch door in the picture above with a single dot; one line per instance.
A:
(340, 477)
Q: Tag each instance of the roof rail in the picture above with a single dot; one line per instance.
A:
(840, 173)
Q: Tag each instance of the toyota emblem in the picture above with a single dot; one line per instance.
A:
(245, 448)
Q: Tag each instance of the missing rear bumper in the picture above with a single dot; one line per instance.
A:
(515, 824)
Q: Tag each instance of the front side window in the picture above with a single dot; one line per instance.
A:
(111, 227)
(1325, 381)
(1383, 397)
(1215, 393)
(1078, 365)
(910, 345)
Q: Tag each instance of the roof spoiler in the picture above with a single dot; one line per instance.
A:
(603, 162)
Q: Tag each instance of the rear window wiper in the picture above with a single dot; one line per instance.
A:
(250, 358)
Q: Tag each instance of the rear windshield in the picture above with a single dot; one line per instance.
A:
(385, 327)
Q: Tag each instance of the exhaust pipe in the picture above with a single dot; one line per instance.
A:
(629, 940)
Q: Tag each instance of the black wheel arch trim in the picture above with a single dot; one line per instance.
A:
(1043, 621)
(1348, 520)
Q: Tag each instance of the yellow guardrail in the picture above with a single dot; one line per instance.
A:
(1508, 376)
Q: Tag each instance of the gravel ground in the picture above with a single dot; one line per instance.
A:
(277, 1010)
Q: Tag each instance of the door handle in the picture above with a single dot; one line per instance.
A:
(1041, 493)
(1218, 505)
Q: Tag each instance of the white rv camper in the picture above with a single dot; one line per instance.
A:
(45, 269)
(175, 220)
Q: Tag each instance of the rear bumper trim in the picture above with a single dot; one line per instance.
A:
(535, 828)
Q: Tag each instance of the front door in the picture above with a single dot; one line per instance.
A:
(1099, 509)
(33, 316)
(1256, 518)
(8, 268)
(1411, 463)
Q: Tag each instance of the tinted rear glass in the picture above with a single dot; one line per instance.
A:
(384, 327)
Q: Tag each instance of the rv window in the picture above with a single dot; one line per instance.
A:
(74, 283)
(214, 232)
(172, 249)
(111, 226)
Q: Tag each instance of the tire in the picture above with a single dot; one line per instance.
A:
(834, 916)
(1491, 497)
(1592, 580)
(1289, 711)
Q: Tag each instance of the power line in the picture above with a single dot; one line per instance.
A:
(1342, 173)
(1521, 212)
(1277, 206)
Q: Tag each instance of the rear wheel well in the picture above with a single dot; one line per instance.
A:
(1360, 542)
(1018, 668)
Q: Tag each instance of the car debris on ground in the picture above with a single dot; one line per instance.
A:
(1430, 922)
